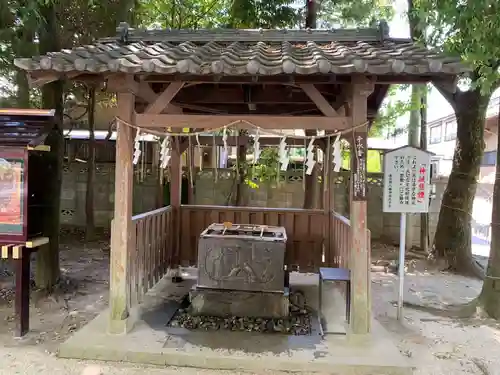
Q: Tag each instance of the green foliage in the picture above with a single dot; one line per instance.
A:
(373, 161)
(470, 29)
(348, 13)
(263, 14)
(267, 168)
(175, 14)
(197, 14)
(392, 109)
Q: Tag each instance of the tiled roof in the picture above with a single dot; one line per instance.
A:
(23, 127)
(248, 52)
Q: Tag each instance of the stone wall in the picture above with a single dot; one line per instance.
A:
(216, 189)
(289, 193)
(74, 187)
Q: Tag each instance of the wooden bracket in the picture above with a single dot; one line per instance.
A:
(163, 100)
(317, 98)
(141, 89)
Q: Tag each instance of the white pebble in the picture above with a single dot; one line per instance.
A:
(92, 370)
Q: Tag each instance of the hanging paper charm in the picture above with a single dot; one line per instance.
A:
(284, 155)
(224, 140)
(137, 147)
(165, 152)
(256, 147)
(200, 151)
(337, 154)
(310, 162)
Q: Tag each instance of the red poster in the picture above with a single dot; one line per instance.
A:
(11, 196)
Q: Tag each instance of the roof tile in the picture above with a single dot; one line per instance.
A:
(204, 53)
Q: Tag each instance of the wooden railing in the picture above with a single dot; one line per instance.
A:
(305, 230)
(340, 241)
(150, 258)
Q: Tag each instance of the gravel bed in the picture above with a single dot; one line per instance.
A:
(297, 324)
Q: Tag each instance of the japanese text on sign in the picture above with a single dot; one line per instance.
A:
(359, 168)
(406, 180)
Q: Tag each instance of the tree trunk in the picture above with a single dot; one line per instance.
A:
(311, 182)
(23, 90)
(23, 48)
(89, 195)
(241, 158)
(490, 293)
(424, 217)
(413, 140)
(453, 233)
(414, 127)
(47, 259)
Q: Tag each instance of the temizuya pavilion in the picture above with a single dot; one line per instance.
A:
(325, 80)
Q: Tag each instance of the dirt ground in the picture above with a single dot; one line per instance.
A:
(436, 344)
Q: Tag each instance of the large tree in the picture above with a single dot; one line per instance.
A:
(47, 265)
(472, 30)
(28, 27)
(490, 294)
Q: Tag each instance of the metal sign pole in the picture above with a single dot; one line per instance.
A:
(401, 268)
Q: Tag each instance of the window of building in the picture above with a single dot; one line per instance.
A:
(450, 131)
(489, 158)
(436, 134)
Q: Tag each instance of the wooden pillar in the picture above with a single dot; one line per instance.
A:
(327, 193)
(158, 173)
(360, 319)
(122, 231)
(175, 196)
(191, 170)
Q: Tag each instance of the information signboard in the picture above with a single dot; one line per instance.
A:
(11, 196)
(406, 180)
(406, 190)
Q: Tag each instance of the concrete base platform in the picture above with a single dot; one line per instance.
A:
(238, 303)
(151, 342)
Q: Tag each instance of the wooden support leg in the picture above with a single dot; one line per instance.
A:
(348, 301)
(22, 303)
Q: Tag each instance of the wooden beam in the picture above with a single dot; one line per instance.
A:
(317, 98)
(199, 108)
(45, 148)
(269, 80)
(34, 81)
(210, 122)
(291, 79)
(37, 242)
(164, 99)
(122, 229)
